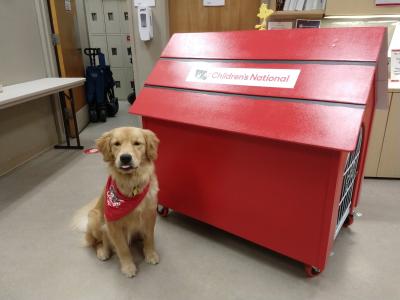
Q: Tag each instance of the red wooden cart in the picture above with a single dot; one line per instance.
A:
(264, 134)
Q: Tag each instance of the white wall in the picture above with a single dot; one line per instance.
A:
(29, 128)
(21, 56)
(25, 131)
(146, 54)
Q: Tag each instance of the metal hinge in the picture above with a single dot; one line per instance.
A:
(55, 39)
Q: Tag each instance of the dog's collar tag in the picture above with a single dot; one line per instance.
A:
(117, 205)
(135, 191)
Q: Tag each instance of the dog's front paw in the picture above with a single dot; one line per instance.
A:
(102, 254)
(129, 270)
(152, 258)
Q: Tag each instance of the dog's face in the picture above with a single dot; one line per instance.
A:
(128, 148)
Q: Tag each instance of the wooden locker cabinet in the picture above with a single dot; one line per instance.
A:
(389, 164)
(376, 142)
(383, 159)
(193, 16)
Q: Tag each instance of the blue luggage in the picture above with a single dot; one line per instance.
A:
(100, 88)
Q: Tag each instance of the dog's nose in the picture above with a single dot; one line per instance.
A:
(125, 158)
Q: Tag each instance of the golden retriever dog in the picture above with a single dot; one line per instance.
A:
(128, 203)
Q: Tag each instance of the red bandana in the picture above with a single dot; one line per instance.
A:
(116, 205)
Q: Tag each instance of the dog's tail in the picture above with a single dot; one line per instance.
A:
(80, 219)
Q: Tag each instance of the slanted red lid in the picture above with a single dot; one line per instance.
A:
(303, 86)
(357, 44)
(316, 124)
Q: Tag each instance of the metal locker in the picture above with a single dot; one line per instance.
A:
(120, 83)
(99, 41)
(127, 50)
(129, 79)
(95, 16)
(112, 16)
(124, 16)
(115, 51)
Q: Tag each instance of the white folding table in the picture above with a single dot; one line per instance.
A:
(23, 92)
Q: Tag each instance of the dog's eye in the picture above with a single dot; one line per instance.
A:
(117, 144)
(136, 143)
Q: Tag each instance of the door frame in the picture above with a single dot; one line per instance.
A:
(49, 56)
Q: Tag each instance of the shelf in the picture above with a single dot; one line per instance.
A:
(297, 14)
(393, 86)
(359, 7)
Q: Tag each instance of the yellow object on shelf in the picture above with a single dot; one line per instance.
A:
(263, 14)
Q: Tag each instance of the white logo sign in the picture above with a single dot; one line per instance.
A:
(279, 78)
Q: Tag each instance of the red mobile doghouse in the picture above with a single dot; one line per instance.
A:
(264, 134)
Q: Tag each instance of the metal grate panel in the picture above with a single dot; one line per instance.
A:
(349, 178)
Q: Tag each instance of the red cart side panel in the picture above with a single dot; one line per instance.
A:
(327, 126)
(271, 193)
(332, 44)
(335, 83)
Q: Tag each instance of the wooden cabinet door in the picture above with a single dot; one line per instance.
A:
(192, 16)
(389, 165)
(376, 141)
(69, 53)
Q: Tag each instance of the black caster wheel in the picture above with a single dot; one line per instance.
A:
(116, 106)
(93, 116)
(311, 271)
(162, 210)
(102, 115)
(113, 107)
(349, 220)
(131, 98)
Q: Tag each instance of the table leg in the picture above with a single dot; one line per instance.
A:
(71, 95)
(65, 120)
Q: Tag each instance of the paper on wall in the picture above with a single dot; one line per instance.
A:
(213, 2)
(395, 65)
(279, 25)
(67, 5)
(144, 3)
(387, 2)
(395, 41)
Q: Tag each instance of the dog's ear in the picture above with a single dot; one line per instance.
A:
(151, 144)
(103, 143)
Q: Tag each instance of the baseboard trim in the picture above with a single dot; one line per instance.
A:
(82, 117)
(23, 162)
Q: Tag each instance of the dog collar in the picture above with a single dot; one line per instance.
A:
(117, 205)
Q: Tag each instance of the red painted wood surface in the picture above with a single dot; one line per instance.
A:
(319, 125)
(271, 193)
(325, 44)
(269, 168)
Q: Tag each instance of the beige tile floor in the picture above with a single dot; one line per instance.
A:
(40, 258)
